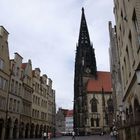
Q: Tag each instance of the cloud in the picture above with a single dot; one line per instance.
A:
(46, 31)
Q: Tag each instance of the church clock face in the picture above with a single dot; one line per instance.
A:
(88, 70)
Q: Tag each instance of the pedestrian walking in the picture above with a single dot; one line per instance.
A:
(73, 135)
(44, 135)
(113, 135)
(49, 135)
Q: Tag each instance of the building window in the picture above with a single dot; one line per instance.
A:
(94, 105)
(17, 71)
(92, 122)
(33, 111)
(110, 105)
(128, 59)
(136, 26)
(123, 76)
(16, 87)
(126, 71)
(10, 104)
(19, 89)
(12, 86)
(28, 80)
(14, 105)
(2, 103)
(3, 84)
(131, 45)
(1, 64)
(18, 106)
(97, 122)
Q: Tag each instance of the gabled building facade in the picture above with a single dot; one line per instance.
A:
(4, 79)
(127, 30)
(69, 122)
(27, 100)
(27, 91)
(60, 120)
(14, 98)
(43, 105)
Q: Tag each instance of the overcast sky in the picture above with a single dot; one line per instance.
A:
(46, 31)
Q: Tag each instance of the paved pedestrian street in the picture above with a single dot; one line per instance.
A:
(94, 137)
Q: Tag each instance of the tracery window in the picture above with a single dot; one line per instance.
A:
(94, 104)
(110, 105)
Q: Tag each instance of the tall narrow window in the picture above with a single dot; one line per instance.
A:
(128, 60)
(3, 84)
(19, 89)
(12, 86)
(16, 87)
(131, 46)
(10, 104)
(110, 105)
(94, 105)
(126, 71)
(18, 106)
(92, 122)
(97, 122)
(17, 71)
(1, 64)
(136, 26)
(124, 78)
(14, 105)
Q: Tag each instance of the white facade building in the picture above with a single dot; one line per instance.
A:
(69, 122)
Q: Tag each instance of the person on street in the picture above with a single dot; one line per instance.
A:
(44, 135)
(49, 135)
(73, 135)
(115, 133)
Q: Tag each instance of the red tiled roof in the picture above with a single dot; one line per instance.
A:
(103, 81)
(69, 113)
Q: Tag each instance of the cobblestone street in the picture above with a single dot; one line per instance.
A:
(95, 137)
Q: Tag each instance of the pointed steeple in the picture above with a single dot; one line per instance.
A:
(85, 68)
(83, 34)
(85, 50)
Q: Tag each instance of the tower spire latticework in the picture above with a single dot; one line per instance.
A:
(85, 67)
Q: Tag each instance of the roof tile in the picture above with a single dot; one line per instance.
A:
(103, 81)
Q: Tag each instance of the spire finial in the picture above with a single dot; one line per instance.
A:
(82, 9)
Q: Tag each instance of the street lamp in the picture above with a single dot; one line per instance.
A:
(138, 75)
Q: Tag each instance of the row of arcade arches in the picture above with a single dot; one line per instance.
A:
(15, 130)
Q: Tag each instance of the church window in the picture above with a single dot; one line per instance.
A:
(110, 105)
(97, 122)
(92, 122)
(94, 105)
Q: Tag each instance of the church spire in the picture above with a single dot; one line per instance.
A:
(85, 50)
(83, 34)
(85, 68)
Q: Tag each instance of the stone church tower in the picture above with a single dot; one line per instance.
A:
(85, 67)
(93, 102)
